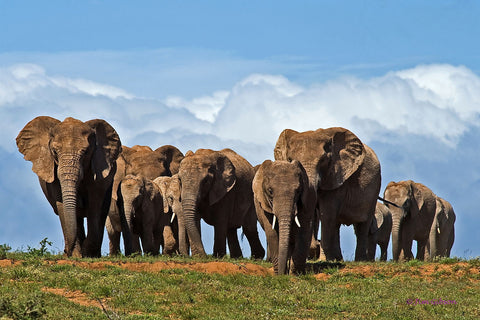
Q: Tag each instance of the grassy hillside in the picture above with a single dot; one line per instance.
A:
(36, 284)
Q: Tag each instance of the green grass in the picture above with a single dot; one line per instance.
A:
(347, 292)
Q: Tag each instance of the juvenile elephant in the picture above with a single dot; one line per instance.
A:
(442, 232)
(412, 217)
(145, 162)
(380, 231)
(217, 186)
(345, 173)
(282, 193)
(172, 207)
(75, 164)
(143, 204)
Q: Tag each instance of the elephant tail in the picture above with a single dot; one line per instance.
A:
(388, 202)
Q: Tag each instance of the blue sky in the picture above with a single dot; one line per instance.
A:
(405, 77)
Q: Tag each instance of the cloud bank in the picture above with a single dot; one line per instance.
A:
(421, 122)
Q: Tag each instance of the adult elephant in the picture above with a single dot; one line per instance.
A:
(75, 164)
(139, 161)
(172, 207)
(442, 232)
(282, 193)
(380, 232)
(345, 174)
(412, 217)
(217, 186)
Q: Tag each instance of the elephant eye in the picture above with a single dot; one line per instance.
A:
(270, 191)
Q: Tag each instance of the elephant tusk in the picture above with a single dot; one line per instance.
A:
(438, 230)
(173, 217)
(274, 221)
(297, 221)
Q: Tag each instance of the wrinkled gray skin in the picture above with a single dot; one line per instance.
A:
(217, 187)
(281, 189)
(143, 204)
(345, 174)
(145, 162)
(172, 207)
(442, 232)
(380, 231)
(75, 164)
(413, 220)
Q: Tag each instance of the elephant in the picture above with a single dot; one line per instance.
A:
(345, 174)
(442, 232)
(75, 162)
(282, 193)
(172, 206)
(143, 203)
(145, 162)
(217, 187)
(412, 217)
(380, 231)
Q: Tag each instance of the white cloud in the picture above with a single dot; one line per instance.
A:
(414, 119)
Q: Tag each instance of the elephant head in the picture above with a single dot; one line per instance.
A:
(70, 153)
(282, 193)
(171, 191)
(206, 176)
(412, 216)
(329, 156)
(142, 205)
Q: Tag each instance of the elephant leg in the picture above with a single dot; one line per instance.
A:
(97, 213)
(331, 241)
(169, 242)
(361, 231)
(371, 247)
(251, 232)
(421, 250)
(233, 244)
(407, 249)
(383, 252)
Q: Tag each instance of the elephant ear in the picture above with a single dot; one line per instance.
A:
(379, 214)
(347, 154)
(224, 179)
(162, 183)
(280, 151)
(257, 186)
(417, 197)
(33, 143)
(107, 149)
(304, 183)
(172, 156)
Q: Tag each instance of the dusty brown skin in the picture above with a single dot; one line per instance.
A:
(75, 164)
(380, 231)
(144, 162)
(442, 232)
(217, 187)
(172, 207)
(281, 189)
(413, 220)
(345, 174)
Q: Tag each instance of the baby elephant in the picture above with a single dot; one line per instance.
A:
(285, 206)
(380, 231)
(142, 204)
(442, 232)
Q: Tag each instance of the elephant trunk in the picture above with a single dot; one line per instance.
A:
(129, 210)
(396, 237)
(434, 239)
(192, 224)
(69, 173)
(284, 230)
(182, 234)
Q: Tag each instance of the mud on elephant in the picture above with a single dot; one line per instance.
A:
(345, 173)
(75, 164)
(217, 187)
(282, 193)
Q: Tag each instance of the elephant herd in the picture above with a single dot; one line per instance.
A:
(157, 198)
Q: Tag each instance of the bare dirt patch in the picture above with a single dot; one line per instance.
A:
(74, 296)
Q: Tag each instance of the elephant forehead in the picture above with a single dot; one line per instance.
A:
(308, 145)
